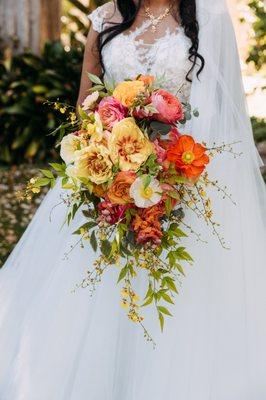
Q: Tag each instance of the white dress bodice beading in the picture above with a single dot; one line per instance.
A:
(128, 55)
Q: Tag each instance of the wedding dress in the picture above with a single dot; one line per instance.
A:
(60, 345)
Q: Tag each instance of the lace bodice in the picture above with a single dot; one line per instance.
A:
(129, 54)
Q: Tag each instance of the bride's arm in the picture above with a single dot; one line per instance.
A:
(91, 64)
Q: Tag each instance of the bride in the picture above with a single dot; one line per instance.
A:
(56, 345)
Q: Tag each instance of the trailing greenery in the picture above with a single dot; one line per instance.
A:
(26, 82)
(257, 52)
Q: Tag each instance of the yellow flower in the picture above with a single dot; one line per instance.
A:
(135, 298)
(91, 129)
(126, 92)
(97, 134)
(35, 190)
(124, 304)
(124, 292)
(128, 146)
(93, 162)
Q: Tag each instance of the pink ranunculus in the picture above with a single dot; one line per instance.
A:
(169, 108)
(160, 152)
(174, 135)
(142, 113)
(110, 212)
(111, 111)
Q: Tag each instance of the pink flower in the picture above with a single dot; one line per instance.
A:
(112, 213)
(169, 108)
(160, 152)
(111, 111)
(142, 113)
(174, 135)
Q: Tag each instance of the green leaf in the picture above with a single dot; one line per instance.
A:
(148, 301)
(106, 248)
(168, 206)
(58, 167)
(149, 291)
(95, 79)
(93, 241)
(122, 274)
(167, 298)
(52, 183)
(164, 310)
(180, 269)
(160, 127)
(161, 319)
(171, 284)
(195, 113)
(95, 88)
(83, 115)
(146, 181)
(175, 230)
(47, 173)
(42, 182)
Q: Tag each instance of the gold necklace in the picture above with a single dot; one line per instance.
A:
(155, 21)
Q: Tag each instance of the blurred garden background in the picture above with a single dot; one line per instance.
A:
(41, 50)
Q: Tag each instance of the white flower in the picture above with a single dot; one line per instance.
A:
(69, 145)
(90, 100)
(144, 195)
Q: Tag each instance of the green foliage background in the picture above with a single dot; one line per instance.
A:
(257, 51)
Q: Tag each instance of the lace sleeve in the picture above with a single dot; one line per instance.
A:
(99, 16)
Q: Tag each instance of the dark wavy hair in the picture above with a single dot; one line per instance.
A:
(129, 10)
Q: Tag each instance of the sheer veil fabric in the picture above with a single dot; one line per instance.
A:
(58, 345)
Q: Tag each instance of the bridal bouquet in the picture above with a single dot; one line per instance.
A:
(132, 174)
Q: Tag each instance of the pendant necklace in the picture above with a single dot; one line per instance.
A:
(155, 21)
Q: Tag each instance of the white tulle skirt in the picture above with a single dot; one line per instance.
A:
(59, 345)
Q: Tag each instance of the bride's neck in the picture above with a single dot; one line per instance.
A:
(158, 3)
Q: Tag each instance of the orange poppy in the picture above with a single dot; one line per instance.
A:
(190, 158)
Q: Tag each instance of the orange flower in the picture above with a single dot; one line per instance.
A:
(146, 79)
(98, 190)
(119, 190)
(147, 226)
(189, 157)
(126, 92)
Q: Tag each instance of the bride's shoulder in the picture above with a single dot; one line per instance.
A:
(104, 15)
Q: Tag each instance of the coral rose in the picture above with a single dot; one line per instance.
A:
(128, 146)
(190, 158)
(93, 163)
(119, 190)
(111, 111)
(169, 109)
(127, 92)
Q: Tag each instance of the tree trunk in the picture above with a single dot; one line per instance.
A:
(29, 23)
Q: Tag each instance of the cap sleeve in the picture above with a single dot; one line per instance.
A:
(99, 16)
